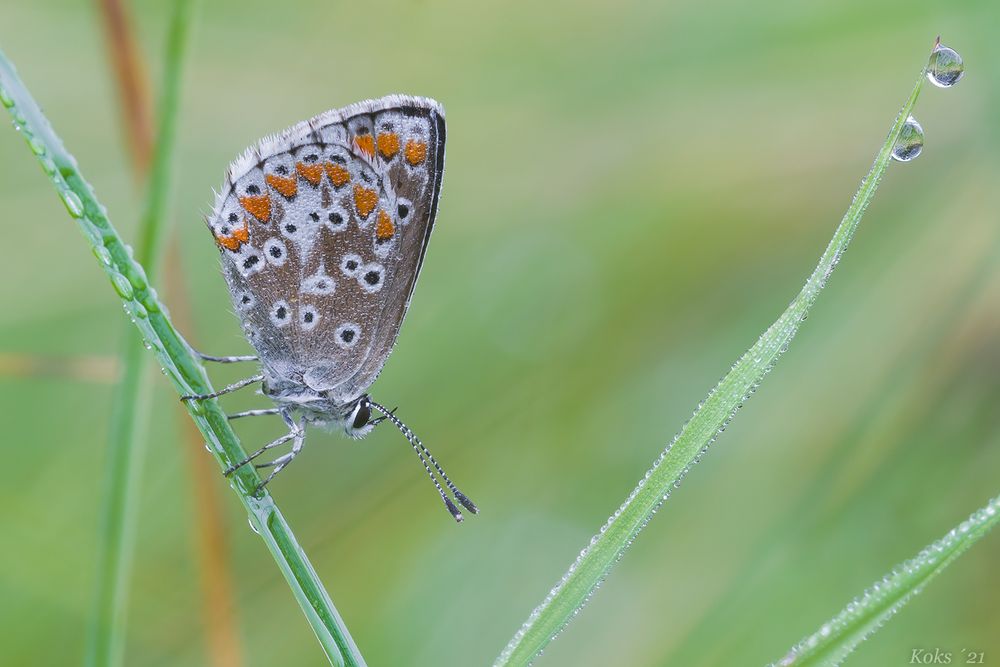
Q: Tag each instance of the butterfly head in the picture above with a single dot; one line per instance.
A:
(358, 422)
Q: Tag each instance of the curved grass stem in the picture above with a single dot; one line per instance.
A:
(178, 361)
(595, 561)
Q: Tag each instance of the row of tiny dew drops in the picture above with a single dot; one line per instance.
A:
(944, 69)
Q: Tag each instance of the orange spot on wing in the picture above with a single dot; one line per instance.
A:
(235, 240)
(287, 186)
(415, 152)
(337, 174)
(388, 144)
(311, 172)
(364, 200)
(366, 143)
(259, 206)
(384, 229)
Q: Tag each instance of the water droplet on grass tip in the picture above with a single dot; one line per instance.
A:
(945, 67)
(910, 141)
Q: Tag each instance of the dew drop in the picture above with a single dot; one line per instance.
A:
(122, 285)
(252, 527)
(6, 99)
(910, 141)
(36, 146)
(101, 253)
(48, 166)
(945, 67)
(73, 204)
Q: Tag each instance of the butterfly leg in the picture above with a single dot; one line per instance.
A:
(233, 387)
(254, 413)
(279, 463)
(294, 431)
(228, 360)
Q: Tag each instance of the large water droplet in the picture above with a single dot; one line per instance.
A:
(122, 285)
(910, 141)
(945, 67)
(73, 204)
(102, 254)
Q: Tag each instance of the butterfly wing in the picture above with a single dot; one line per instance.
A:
(323, 230)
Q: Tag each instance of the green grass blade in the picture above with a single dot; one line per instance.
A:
(839, 636)
(709, 420)
(178, 362)
(128, 433)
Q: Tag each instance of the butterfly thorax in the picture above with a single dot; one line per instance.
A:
(320, 407)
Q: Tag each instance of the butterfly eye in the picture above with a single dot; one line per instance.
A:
(362, 415)
(233, 217)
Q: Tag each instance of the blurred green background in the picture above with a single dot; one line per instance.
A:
(634, 191)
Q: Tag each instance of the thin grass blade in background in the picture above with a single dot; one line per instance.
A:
(130, 411)
(607, 547)
(218, 607)
(839, 636)
(178, 362)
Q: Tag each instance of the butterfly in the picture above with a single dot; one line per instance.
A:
(322, 231)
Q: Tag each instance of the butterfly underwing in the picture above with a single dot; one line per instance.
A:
(322, 230)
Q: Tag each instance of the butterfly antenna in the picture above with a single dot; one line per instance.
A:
(422, 452)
